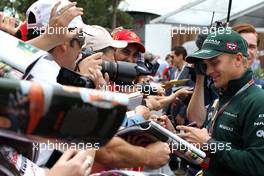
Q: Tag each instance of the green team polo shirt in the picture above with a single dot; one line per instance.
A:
(238, 133)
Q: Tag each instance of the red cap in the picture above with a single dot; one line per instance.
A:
(23, 29)
(130, 37)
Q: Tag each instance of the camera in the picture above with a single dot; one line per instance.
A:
(152, 66)
(71, 78)
(123, 72)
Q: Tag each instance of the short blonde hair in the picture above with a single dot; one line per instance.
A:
(245, 60)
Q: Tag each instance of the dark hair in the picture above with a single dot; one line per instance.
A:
(106, 49)
(179, 50)
(168, 56)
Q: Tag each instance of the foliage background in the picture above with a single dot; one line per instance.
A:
(99, 12)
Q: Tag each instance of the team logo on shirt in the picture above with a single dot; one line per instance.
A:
(230, 114)
(260, 133)
(258, 123)
(227, 128)
(260, 115)
(212, 41)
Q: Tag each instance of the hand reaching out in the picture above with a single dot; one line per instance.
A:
(60, 20)
(73, 162)
(8, 24)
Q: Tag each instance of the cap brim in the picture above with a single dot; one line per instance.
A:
(140, 46)
(202, 55)
(119, 44)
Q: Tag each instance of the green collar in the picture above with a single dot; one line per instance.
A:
(235, 85)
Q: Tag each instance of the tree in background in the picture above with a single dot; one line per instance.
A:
(105, 13)
(16, 6)
(96, 12)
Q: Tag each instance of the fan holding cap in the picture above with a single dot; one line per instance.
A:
(39, 15)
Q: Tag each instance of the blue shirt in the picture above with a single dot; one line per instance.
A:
(132, 120)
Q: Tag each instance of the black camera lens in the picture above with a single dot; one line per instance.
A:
(120, 72)
(71, 78)
(110, 68)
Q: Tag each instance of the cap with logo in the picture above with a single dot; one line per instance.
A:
(97, 38)
(219, 42)
(130, 37)
(38, 14)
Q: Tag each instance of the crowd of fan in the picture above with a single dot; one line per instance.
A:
(170, 106)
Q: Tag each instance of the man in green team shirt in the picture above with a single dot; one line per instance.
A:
(233, 136)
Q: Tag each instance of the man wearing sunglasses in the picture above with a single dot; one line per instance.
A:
(63, 55)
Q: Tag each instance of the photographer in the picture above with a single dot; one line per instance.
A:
(118, 153)
(99, 46)
(61, 55)
(47, 40)
(71, 162)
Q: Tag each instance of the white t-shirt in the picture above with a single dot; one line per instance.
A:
(45, 70)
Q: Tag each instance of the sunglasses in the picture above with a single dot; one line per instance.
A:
(80, 38)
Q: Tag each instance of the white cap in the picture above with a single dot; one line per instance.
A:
(97, 38)
(41, 11)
